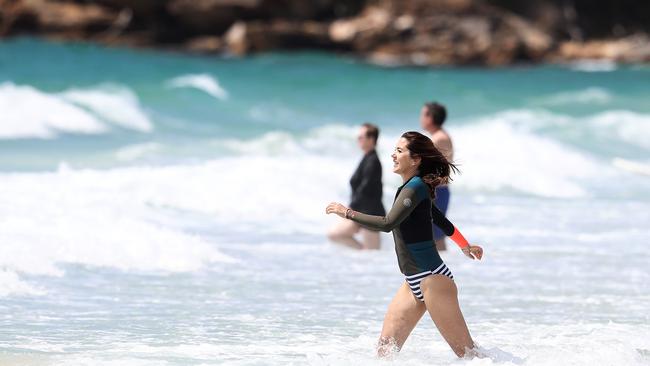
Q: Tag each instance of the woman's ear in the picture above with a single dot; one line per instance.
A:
(417, 160)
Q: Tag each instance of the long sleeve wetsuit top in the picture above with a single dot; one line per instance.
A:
(367, 187)
(410, 220)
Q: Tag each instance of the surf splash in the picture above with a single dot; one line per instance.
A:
(32, 113)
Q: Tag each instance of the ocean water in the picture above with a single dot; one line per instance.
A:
(161, 209)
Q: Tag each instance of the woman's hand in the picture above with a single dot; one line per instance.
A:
(473, 251)
(336, 208)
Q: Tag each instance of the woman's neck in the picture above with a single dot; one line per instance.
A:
(407, 176)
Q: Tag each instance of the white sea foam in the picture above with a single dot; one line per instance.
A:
(637, 167)
(511, 150)
(269, 144)
(593, 95)
(630, 127)
(116, 218)
(494, 155)
(11, 284)
(499, 152)
(522, 144)
(300, 186)
(95, 218)
(607, 127)
(115, 104)
(133, 152)
(32, 113)
(332, 140)
(526, 344)
(204, 82)
(274, 112)
(324, 318)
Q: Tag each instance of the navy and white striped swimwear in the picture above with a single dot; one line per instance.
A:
(414, 280)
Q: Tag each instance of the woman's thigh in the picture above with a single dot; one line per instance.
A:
(441, 299)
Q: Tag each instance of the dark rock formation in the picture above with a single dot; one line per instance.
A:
(466, 33)
(211, 16)
(413, 32)
(583, 19)
(247, 37)
(59, 18)
(204, 44)
(630, 49)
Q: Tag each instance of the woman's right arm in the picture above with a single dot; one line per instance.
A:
(403, 206)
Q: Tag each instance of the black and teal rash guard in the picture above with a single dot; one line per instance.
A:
(410, 220)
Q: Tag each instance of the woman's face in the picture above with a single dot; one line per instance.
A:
(402, 160)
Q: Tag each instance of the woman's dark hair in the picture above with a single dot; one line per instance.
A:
(434, 168)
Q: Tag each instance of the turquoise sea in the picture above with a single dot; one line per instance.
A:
(166, 209)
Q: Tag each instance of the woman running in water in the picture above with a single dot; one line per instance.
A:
(429, 284)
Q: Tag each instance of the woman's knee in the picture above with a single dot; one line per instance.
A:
(333, 235)
(343, 230)
(336, 234)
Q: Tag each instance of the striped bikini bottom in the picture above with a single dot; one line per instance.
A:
(414, 280)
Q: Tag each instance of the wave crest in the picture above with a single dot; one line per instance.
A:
(32, 113)
(203, 82)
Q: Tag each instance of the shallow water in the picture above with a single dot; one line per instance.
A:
(168, 210)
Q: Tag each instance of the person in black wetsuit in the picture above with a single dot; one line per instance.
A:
(428, 284)
(366, 194)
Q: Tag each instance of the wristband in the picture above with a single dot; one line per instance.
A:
(459, 239)
(348, 213)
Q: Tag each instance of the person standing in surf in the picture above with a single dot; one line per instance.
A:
(432, 116)
(367, 191)
(429, 284)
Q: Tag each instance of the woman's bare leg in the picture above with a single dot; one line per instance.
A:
(343, 233)
(441, 299)
(403, 314)
(370, 239)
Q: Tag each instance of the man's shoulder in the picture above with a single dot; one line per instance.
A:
(372, 156)
(440, 136)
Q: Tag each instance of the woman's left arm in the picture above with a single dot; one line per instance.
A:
(439, 219)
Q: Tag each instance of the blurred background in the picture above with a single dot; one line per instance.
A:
(392, 32)
(165, 166)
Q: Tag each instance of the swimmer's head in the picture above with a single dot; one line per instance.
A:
(433, 114)
(367, 137)
(415, 154)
